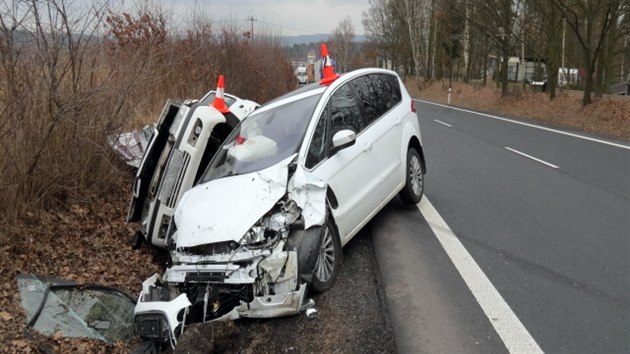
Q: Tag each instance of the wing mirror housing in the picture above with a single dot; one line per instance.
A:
(343, 139)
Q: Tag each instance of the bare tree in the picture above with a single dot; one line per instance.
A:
(545, 25)
(416, 15)
(498, 20)
(591, 21)
(341, 43)
(387, 32)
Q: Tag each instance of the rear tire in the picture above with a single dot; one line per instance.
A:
(329, 259)
(411, 194)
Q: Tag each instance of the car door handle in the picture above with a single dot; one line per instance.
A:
(367, 147)
(399, 120)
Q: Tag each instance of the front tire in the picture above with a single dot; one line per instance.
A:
(329, 259)
(411, 194)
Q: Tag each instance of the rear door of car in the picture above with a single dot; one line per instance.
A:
(352, 175)
(380, 97)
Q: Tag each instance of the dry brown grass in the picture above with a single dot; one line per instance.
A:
(608, 116)
(59, 102)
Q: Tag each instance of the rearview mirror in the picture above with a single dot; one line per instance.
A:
(343, 139)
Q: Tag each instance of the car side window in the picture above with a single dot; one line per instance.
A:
(344, 112)
(368, 97)
(318, 149)
(388, 90)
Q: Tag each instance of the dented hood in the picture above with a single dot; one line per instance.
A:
(224, 209)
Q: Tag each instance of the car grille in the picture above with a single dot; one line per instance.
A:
(211, 248)
(172, 182)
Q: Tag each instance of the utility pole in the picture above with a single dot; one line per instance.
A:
(563, 71)
(251, 19)
(623, 56)
(523, 43)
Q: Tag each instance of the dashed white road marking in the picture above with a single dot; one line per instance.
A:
(509, 328)
(531, 125)
(532, 157)
(439, 121)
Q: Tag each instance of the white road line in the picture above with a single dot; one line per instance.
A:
(514, 335)
(532, 157)
(532, 125)
(439, 121)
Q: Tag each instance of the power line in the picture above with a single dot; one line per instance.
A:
(288, 27)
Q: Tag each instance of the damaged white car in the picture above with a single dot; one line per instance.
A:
(292, 184)
(185, 139)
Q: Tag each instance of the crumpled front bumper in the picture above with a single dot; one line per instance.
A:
(152, 313)
(266, 306)
(174, 306)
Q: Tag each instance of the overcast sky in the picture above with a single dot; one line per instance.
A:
(287, 17)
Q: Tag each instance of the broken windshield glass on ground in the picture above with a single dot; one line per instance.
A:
(131, 145)
(56, 307)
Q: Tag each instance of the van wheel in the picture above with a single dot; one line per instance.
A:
(414, 186)
(329, 259)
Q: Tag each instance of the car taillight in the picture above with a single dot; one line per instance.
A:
(413, 107)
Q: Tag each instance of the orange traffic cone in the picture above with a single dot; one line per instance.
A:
(328, 72)
(219, 97)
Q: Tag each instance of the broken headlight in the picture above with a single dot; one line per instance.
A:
(273, 226)
(257, 235)
(154, 326)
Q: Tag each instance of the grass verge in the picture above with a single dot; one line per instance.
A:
(608, 116)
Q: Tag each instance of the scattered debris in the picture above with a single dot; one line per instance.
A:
(308, 305)
(61, 308)
(311, 313)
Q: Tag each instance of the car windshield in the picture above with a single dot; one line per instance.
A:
(263, 139)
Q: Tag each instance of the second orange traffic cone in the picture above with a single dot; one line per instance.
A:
(219, 97)
(328, 71)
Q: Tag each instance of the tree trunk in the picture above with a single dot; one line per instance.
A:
(599, 77)
(504, 73)
(552, 79)
(588, 82)
(466, 41)
(484, 69)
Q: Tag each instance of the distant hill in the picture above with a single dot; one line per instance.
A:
(314, 38)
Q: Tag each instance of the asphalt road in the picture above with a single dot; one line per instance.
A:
(544, 215)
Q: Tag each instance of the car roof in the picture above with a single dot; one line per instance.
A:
(317, 88)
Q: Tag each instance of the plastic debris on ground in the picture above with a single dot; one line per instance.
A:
(311, 313)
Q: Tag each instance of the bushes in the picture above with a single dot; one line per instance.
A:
(67, 81)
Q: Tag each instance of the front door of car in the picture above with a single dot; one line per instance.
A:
(351, 173)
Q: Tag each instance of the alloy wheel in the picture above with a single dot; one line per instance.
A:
(326, 257)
